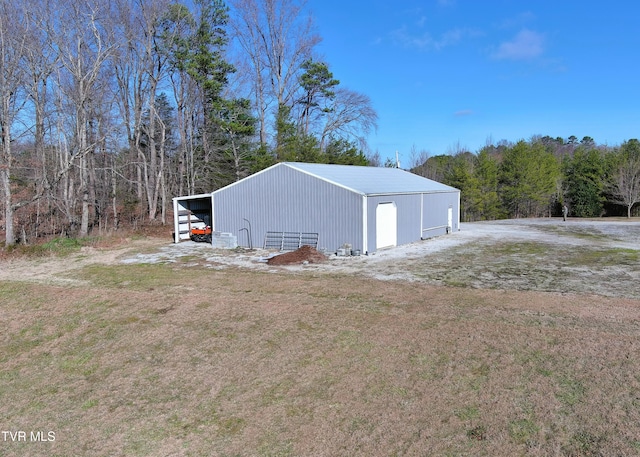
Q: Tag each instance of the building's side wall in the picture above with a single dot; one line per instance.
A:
(286, 200)
(419, 215)
(435, 213)
(408, 213)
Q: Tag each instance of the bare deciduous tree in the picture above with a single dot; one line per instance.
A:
(139, 69)
(277, 40)
(13, 33)
(178, 25)
(40, 60)
(351, 115)
(625, 187)
(417, 157)
(84, 46)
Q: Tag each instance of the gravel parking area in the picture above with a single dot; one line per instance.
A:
(593, 256)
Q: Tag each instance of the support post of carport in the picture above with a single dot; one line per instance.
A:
(176, 221)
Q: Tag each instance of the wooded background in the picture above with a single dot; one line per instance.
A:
(538, 177)
(111, 108)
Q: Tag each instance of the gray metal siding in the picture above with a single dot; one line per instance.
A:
(282, 199)
(435, 213)
(408, 213)
(410, 228)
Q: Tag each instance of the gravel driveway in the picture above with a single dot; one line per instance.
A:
(593, 256)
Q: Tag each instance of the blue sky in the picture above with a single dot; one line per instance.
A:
(450, 74)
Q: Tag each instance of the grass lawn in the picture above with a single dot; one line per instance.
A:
(179, 360)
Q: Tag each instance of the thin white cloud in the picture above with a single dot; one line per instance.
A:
(463, 112)
(452, 37)
(426, 41)
(446, 2)
(517, 21)
(525, 45)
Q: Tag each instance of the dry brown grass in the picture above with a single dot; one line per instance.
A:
(160, 360)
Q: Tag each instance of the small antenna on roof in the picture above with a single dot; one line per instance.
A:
(397, 160)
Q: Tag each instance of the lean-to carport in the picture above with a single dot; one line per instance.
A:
(193, 211)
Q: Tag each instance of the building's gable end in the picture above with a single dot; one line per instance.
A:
(285, 199)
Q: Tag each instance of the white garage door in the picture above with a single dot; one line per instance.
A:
(386, 225)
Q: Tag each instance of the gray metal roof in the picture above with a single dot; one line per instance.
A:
(370, 180)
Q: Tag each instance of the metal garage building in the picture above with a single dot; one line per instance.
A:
(327, 206)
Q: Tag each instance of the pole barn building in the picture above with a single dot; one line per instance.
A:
(327, 206)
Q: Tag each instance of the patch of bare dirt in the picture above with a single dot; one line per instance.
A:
(52, 269)
(303, 255)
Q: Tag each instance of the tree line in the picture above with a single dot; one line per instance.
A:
(539, 177)
(109, 108)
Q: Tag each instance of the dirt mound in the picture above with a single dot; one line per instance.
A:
(303, 254)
